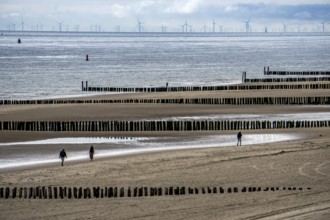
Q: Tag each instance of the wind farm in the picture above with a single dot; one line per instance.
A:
(222, 26)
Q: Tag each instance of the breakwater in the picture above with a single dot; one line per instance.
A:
(54, 192)
(287, 79)
(267, 71)
(138, 126)
(207, 88)
(323, 100)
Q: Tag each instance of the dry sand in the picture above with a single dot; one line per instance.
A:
(301, 163)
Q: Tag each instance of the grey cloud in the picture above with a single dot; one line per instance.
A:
(266, 11)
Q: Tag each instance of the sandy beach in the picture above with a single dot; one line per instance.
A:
(301, 163)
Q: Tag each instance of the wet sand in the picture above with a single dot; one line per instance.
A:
(301, 163)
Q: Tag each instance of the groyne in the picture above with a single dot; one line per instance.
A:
(97, 192)
(287, 79)
(267, 71)
(321, 100)
(158, 125)
(207, 88)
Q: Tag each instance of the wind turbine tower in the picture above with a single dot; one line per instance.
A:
(185, 27)
(139, 25)
(284, 28)
(213, 26)
(13, 27)
(60, 26)
(220, 28)
(323, 26)
(247, 26)
(22, 24)
(163, 28)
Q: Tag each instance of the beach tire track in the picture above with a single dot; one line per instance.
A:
(271, 166)
(317, 170)
(303, 211)
(302, 168)
(257, 168)
(319, 167)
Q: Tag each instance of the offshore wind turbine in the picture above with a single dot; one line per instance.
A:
(205, 28)
(185, 27)
(139, 25)
(220, 28)
(76, 28)
(266, 29)
(247, 25)
(22, 24)
(13, 26)
(213, 26)
(41, 27)
(323, 26)
(60, 26)
(284, 28)
(190, 28)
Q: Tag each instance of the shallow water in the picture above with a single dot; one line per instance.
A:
(257, 117)
(47, 151)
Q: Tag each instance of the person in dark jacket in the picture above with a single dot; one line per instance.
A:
(62, 156)
(91, 152)
(239, 138)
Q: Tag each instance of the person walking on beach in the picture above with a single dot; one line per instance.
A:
(239, 138)
(91, 152)
(62, 156)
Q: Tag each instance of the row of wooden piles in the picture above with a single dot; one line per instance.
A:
(113, 126)
(53, 192)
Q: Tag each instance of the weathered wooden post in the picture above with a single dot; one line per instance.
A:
(171, 191)
(14, 192)
(177, 191)
(140, 191)
(34, 192)
(20, 193)
(69, 193)
(122, 192)
(61, 192)
(129, 193)
(115, 192)
(135, 191)
(196, 191)
(160, 191)
(183, 190)
(7, 192)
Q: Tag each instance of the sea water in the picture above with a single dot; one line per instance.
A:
(49, 64)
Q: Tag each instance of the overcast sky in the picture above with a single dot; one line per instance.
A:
(106, 15)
